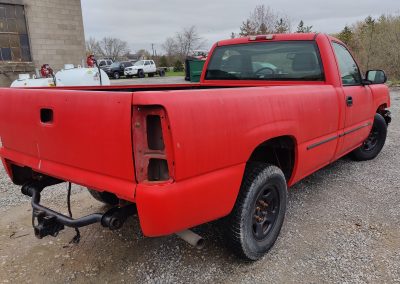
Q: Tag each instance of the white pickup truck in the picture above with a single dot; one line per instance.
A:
(141, 68)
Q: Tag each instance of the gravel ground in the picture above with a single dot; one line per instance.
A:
(342, 225)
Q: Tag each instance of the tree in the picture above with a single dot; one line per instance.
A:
(163, 61)
(107, 47)
(264, 20)
(247, 28)
(178, 66)
(375, 42)
(282, 26)
(261, 21)
(92, 47)
(143, 54)
(345, 35)
(301, 28)
(170, 46)
(183, 43)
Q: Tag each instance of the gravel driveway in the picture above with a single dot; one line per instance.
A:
(342, 225)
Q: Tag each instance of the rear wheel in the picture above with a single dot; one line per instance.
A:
(141, 74)
(373, 145)
(257, 217)
(116, 75)
(104, 197)
(161, 72)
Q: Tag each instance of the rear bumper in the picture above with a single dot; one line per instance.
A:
(166, 209)
(124, 189)
(163, 209)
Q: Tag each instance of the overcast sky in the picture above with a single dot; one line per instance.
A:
(143, 22)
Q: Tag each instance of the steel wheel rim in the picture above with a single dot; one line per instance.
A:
(371, 141)
(265, 212)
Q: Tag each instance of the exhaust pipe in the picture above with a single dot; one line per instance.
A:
(192, 238)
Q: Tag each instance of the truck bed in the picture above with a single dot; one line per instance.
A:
(86, 136)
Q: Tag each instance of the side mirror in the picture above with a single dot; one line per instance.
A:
(376, 77)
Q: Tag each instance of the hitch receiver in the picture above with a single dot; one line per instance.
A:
(47, 222)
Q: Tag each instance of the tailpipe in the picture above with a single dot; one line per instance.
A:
(192, 238)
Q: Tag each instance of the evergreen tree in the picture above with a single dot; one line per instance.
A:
(301, 28)
(346, 35)
(282, 26)
(247, 28)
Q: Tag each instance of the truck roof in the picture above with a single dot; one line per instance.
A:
(275, 37)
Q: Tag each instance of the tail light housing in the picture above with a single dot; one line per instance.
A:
(152, 145)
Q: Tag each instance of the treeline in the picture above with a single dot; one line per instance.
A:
(375, 43)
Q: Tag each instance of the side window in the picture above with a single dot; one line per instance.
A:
(147, 63)
(348, 67)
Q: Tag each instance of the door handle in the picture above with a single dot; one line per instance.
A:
(349, 101)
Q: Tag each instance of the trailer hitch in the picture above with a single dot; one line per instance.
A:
(47, 222)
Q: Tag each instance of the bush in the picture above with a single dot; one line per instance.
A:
(178, 66)
(163, 61)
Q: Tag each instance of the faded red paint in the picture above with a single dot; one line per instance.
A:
(209, 134)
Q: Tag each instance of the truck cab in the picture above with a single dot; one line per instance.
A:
(141, 68)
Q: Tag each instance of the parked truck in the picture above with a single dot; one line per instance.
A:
(269, 110)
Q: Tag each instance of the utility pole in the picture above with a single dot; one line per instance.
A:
(152, 48)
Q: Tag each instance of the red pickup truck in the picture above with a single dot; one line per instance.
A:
(269, 110)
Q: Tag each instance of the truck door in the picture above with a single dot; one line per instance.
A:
(147, 66)
(357, 101)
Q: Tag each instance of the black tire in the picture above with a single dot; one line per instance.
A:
(373, 145)
(104, 197)
(257, 217)
(161, 73)
(141, 74)
(116, 75)
(151, 75)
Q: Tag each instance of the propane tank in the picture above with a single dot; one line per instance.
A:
(25, 80)
(69, 76)
(82, 77)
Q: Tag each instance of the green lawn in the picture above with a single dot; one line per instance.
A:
(173, 74)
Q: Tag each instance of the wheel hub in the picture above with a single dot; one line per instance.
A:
(266, 210)
(372, 140)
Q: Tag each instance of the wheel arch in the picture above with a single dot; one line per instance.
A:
(280, 151)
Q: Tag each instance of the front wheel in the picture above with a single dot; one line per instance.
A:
(257, 217)
(373, 145)
(116, 75)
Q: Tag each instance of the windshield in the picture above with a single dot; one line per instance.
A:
(139, 63)
(289, 60)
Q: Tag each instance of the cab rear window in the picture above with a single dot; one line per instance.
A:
(287, 61)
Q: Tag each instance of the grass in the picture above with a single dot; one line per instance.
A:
(175, 74)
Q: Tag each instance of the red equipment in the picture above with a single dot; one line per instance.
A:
(46, 71)
(91, 61)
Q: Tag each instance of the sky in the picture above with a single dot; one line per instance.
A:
(145, 22)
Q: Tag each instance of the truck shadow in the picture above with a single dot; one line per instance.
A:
(127, 254)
